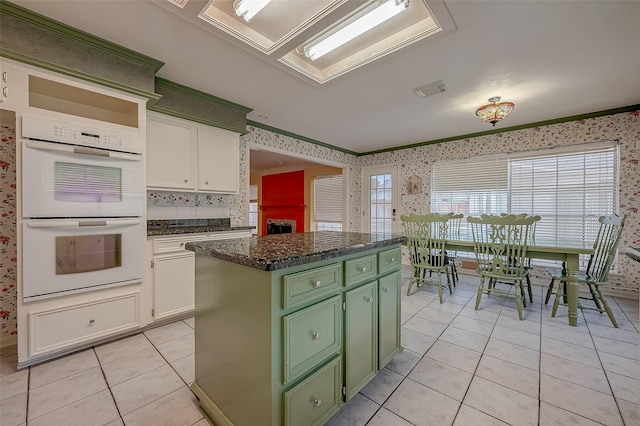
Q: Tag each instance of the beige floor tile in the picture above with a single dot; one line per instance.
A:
(404, 362)
(8, 365)
(408, 402)
(437, 316)
(179, 408)
(384, 417)
(146, 388)
(617, 347)
(615, 334)
(134, 365)
(13, 410)
(485, 315)
(97, 409)
(456, 356)
(405, 317)
(117, 422)
(442, 378)
(571, 352)
(517, 337)
(451, 308)
(574, 372)
(579, 400)
(191, 322)
(513, 353)
(624, 387)
(52, 396)
(425, 326)
(630, 412)
(121, 348)
(416, 342)
(551, 415)
(178, 348)
(466, 339)
(510, 375)
(14, 384)
(51, 371)
(165, 333)
(472, 325)
(468, 416)
(502, 403)
(408, 307)
(202, 422)
(603, 319)
(567, 335)
(186, 368)
(382, 386)
(356, 412)
(620, 365)
(531, 327)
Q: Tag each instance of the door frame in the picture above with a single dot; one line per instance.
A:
(367, 171)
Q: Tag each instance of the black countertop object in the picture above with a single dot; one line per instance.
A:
(279, 251)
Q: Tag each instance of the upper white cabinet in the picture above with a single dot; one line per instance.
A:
(13, 93)
(191, 157)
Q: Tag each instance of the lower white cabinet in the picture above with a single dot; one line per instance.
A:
(67, 326)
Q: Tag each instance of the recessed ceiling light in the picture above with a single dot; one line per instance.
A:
(431, 89)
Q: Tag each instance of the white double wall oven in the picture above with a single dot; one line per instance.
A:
(82, 207)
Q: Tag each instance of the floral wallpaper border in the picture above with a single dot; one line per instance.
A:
(8, 236)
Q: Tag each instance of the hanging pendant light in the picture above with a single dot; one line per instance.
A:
(495, 111)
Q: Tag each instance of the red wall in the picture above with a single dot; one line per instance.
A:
(283, 198)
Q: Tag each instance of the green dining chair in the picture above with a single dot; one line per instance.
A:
(597, 272)
(454, 234)
(500, 246)
(426, 240)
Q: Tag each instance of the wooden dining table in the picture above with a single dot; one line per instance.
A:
(569, 255)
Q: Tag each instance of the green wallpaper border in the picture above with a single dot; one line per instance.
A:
(26, 15)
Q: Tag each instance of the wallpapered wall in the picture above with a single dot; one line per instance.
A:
(413, 161)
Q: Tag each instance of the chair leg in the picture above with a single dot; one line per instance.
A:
(556, 302)
(410, 284)
(529, 288)
(446, 271)
(549, 291)
(594, 296)
(480, 289)
(520, 298)
(524, 298)
(606, 307)
(454, 272)
(439, 286)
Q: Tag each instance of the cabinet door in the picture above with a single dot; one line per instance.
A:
(218, 160)
(361, 337)
(13, 87)
(388, 318)
(173, 284)
(170, 155)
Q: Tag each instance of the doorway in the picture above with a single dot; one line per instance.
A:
(380, 200)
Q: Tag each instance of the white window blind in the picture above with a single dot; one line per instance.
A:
(568, 187)
(327, 203)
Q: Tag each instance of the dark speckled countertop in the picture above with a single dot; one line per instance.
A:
(191, 226)
(279, 251)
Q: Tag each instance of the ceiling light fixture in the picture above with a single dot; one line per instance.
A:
(247, 9)
(370, 18)
(495, 111)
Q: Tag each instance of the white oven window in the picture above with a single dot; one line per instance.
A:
(87, 253)
(87, 183)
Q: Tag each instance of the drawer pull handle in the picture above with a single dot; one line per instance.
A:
(4, 76)
(392, 259)
(385, 289)
(317, 402)
(186, 180)
(315, 336)
(5, 92)
(362, 269)
(91, 321)
(317, 284)
(206, 182)
(368, 299)
(181, 244)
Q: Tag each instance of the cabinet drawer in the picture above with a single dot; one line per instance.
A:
(311, 336)
(165, 245)
(315, 400)
(389, 260)
(360, 269)
(310, 285)
(64, 327)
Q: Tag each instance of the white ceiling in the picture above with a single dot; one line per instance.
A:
(553, 59)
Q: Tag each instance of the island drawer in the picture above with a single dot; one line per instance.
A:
(389, 260)
(311, 336)
(315, 400)
(310, 285)
(360, 269)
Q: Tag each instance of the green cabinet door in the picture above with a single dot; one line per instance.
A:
(388, 317)
(361, 337)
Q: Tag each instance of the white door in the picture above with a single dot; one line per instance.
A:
(380, 200)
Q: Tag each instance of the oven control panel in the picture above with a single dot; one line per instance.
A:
(77, 134)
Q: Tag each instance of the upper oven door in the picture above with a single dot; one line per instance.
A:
(72, 181)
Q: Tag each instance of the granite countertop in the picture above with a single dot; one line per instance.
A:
(191, 226)
(279, 251)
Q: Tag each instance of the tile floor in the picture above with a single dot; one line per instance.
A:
(458, 367)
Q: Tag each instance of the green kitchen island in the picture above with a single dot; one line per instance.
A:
(291, 326)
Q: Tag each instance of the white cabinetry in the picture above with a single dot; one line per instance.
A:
(13, 90)
(191, 157)
(174, 272)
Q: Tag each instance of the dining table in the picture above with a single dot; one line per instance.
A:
(569, 255)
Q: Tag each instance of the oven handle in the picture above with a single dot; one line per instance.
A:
(83, 150)
(52, 223)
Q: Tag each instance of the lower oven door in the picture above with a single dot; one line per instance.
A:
(72, 255)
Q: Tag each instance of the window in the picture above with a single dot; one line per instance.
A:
(568, 187)
(327, 203)
(253, 207)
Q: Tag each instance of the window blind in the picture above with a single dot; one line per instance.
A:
(568, 187)
(327, 203)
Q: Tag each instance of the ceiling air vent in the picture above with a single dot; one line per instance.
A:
(431, 89)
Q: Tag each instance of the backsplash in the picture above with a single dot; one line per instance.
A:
(186, 205)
